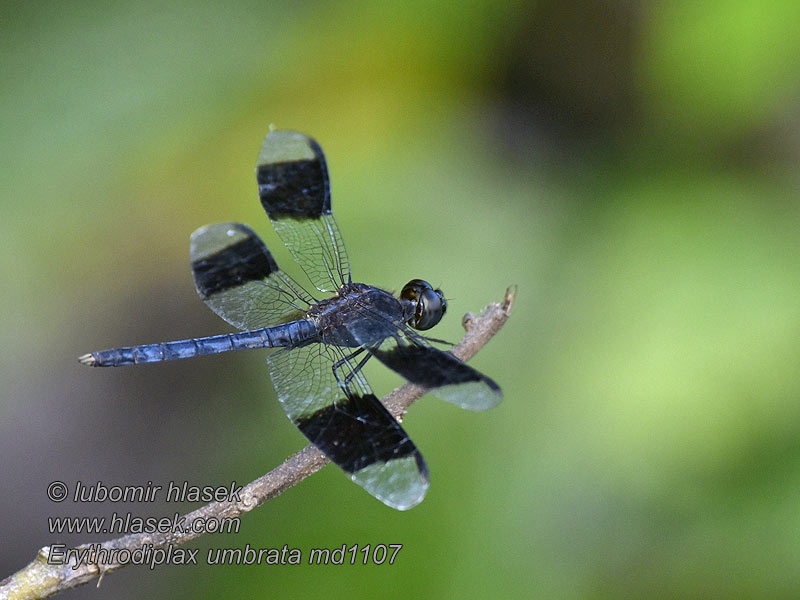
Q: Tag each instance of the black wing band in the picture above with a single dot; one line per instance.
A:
(232, 266)
(442, 373)
(297, 189)
(357, 432)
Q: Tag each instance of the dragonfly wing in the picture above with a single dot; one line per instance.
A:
(341, 416)
(294, 189)
(237, 278)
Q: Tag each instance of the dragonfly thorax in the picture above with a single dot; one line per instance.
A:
(338, 318)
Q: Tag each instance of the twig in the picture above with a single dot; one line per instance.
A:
(40, 579)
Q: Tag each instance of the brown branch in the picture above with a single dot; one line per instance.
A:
(40, 579)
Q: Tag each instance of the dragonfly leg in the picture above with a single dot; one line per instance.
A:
(346, 361)
(357, 368)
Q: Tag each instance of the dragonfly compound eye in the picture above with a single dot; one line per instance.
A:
(429, 304)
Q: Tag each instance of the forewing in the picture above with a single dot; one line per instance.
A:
(238, 279)
(440, 372)
(349, 424)
(294, 190)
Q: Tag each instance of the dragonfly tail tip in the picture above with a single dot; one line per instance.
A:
(88, 359)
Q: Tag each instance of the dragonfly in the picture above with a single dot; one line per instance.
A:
(324, 341)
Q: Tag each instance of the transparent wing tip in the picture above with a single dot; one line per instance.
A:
(399, 483)
(476, 395)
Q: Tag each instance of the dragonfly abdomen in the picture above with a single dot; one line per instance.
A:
(296, 333)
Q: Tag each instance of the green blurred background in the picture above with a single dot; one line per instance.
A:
(630, 166)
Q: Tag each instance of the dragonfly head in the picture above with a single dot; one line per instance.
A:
(428, 304)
